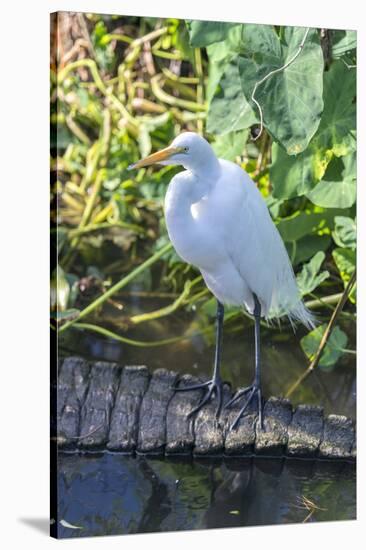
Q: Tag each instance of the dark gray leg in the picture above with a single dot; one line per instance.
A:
(255, 389)
(213, 386)
(257, 318)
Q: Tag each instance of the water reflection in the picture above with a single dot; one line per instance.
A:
(113, 494)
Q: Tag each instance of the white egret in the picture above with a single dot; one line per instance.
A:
(218, 221)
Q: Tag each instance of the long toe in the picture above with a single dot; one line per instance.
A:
(255, 391)
(201, 404)
(237, 396)
(213, 388)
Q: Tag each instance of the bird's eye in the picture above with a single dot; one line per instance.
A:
(185, 149)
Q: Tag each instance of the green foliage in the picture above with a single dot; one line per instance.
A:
(297, 175)
(203, 33)
(310, 278)
(338, 186)
(102, 47)
(309, 112)
(229, 110)
(303, 234)
(334, 348)
(331, 194)
(343, 42)
(301, 224)
(294, 176)
(344, 233)
(291, 100)
(120, 100)
(231, 145)
(345, 260)
(338, 123)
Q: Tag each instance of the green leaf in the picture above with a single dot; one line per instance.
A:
(302, 250)
(180, 39)
(204, 33)
(273, 205)
(334, 194)
(216, 70)
(310, 278)
(291, 100)
(302, 224)
(333, 350)
(345, 260)
(104, 52)
(293, 176)
(338, 187)
(300, 233)
(261, 39)
(344, 234)
(220, 54)
(338, 123)
(343, 42)
(231, 145)
(229, 110)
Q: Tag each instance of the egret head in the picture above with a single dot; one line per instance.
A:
(188, 149)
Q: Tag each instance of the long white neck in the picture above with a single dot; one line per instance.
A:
(187, 188)
(203, 166)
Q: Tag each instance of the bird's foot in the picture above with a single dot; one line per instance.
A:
(252, 392)
(212, 387)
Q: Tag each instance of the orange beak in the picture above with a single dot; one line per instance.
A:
(155, 158)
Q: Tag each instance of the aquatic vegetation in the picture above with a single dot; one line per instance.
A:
(124, 86)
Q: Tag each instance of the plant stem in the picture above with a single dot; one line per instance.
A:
(104, 225)
(76, 130)
(85, 218)
(166, 55)
(326, 301)
(175, 78)
(146, 294)
(116, 36)
(90, 202)
(129, 341)
(115, 288)
(162, 312)
(138, 343)
(92, 66)
(314, 363)
(149, 37)
(171, 100)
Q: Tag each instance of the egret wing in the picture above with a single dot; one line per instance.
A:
(259, 254)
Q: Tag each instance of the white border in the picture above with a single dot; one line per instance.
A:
(24, 266)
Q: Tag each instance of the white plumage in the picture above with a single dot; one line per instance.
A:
(218, 221)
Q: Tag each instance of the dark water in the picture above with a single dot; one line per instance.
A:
(113, 494)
